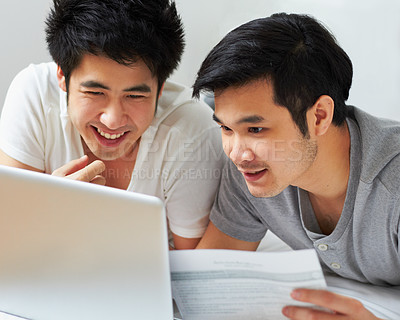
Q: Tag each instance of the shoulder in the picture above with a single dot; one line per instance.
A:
(179, 111)
(37, 84)
(184, 135)
(380, 143)
(43, 75)
(389, 176)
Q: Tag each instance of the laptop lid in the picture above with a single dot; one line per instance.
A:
(74, 250)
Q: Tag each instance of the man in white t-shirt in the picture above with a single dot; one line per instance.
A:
(104, 113)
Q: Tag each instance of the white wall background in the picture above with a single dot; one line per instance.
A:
(22, 38)
(368, 30)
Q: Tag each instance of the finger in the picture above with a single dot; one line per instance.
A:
(99, 179)
(333, 301)
(88, 173)
(94, 169)
(294, 313)
(71, 167)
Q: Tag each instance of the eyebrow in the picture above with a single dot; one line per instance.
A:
(95, 84)
(249, 119)
(139, 88)
(215, 118)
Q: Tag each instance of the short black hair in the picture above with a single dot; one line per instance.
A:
(122, 30)
(296, 53)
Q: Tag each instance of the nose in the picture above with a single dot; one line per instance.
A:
(238, 151)
(114, 116)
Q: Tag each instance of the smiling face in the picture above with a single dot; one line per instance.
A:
(262, 140)
(110, 104)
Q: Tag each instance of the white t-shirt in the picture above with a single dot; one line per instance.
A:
(179, 158)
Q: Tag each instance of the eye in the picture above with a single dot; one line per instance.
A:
(94, 93)
(225, 128)
(135, 96)
(255, 129)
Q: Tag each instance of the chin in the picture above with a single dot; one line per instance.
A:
(262, 192)
(105, 156)
(108, 156)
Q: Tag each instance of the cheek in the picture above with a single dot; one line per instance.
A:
(273, 150)
(268, 150)
(262, 150)
(226, 145)
(142, 116)
(82, 110)
(80, 116)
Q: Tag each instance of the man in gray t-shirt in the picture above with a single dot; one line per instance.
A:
(316, 172)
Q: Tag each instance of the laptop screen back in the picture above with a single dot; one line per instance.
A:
(73, 250)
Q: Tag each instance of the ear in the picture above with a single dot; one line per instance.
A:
(61, 79)
(320, 115)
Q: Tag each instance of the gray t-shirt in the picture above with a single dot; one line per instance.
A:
(365, 244)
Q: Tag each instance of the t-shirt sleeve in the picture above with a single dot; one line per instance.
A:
(398, 227)
(22, 120)
(233, 212)
(192, 178)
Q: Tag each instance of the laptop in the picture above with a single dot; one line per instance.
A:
(75, 250)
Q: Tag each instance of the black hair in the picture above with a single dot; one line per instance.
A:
(122, 30)
(296, 53)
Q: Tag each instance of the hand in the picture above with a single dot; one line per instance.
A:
(342, 307)
(80, 170)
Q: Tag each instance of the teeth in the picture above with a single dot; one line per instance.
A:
(110, 136)
(252, 172)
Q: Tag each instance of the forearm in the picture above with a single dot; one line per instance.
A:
(216, 239)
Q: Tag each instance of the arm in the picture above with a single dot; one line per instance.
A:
(216, 239)
(182, 243)
(11, 162)
(189, 188)
(342, 307)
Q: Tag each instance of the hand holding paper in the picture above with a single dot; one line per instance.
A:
(343, 307)
(228, 284)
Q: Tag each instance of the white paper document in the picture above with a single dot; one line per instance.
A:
(229, 284)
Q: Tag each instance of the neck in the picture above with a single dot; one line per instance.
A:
(328, 177)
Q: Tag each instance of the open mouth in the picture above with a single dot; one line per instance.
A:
(110, 136)
(109, 139)
(254, 175)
